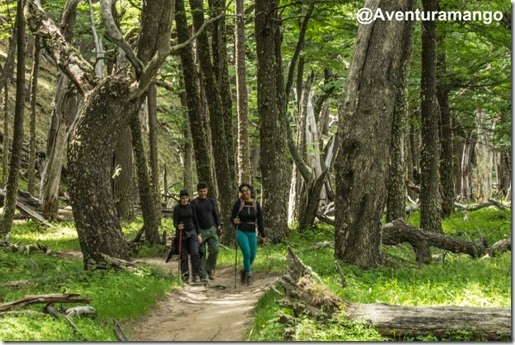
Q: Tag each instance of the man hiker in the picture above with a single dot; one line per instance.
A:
(210, 228)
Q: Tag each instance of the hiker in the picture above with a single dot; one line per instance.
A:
(185, 221)
(246, 214)
(210, 229)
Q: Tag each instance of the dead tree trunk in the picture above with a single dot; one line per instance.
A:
(306, 293)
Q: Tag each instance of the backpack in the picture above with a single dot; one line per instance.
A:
(242, 205)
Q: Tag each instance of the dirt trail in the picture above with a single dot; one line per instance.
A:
(216, 312)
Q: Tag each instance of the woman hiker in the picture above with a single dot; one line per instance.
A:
(246, 214)
(185, 221)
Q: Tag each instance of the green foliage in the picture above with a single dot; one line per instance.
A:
(121, 295)
(455, 280)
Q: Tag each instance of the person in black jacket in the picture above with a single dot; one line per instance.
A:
(247, 215)
(185, 221)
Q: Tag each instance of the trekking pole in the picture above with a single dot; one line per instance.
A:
(235, 258)
(180, 252)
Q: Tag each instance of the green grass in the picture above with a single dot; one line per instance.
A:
(457, 280)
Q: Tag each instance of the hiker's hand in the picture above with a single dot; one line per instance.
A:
(219, 231)
(199, 237)
(180, 226)
(262, 241)
(236, 221)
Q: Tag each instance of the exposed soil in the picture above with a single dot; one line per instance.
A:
(218, 311)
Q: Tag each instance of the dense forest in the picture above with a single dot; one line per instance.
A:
(111, 107)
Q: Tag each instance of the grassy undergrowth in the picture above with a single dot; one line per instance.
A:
(457, 280)
(127, 295)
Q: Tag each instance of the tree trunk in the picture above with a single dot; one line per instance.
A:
(217, 117)
(123, 175)
(199, 136)
(221, 70)
(244, 167)
(466, 173)
(153, 149)
(66, 102)
(504, 173)
(188, 170)
(270, 94)
(5, 140)
(447, 138)
(396, 200)
(364, 130)
(430, 200)
(8, 69)
(101, 120)
(484, 158)
(31, 170)
(14, 166)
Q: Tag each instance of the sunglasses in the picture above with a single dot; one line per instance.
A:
(244, 190)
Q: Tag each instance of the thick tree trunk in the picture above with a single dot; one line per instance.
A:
(123, 175)
(103, 116)
(270, 91)
(505, 174)
(188, 170)
(217, 118)
(396, 200)
(364, 130)
(430, 199)
(6, 144)
(14, 166)
(307, 294)
(200, 143)
(244, 167)
(31, 170)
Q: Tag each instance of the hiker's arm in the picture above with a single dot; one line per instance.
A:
(216, 217)
(234, 212)
(175, 216)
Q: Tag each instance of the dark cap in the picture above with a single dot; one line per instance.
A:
(184, 192)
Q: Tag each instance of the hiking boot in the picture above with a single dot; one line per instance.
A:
(195, 279)
(203, 279)
(248, 278)
(211, 275)
(242, 276)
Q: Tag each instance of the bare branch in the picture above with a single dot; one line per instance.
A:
(114, 35)
(78, 69)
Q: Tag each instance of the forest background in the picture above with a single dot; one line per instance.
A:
(330, 122)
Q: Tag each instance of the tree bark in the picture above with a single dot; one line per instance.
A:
(447, 138)
(153, 150)
(484, 158)
(188, 170)
(31, 170)
(364, 130)
(244, 166)
(430, 199)
(5, 140)
(14, 166)
(217, 118)
(123, 175)
(270, 98)
(396, 200)
(203, 160)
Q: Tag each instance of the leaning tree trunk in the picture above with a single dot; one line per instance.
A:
(430, 202)
(5, 140)
(14, 166)
(364, 130)
(396, 199)
(100, 122)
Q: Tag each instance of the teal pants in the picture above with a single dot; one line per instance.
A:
(247, 240)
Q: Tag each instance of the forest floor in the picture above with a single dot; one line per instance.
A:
(217, 311)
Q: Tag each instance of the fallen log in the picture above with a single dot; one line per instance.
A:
(307, 294)
(50, 298)
(398, 231)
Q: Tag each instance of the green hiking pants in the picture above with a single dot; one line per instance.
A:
(208, 260)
